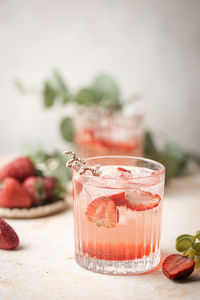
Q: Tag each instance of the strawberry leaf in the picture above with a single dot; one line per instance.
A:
(190, 253)
(187, 244)
(183, 244)
(198, 235)
(189, 236)
(196, 247)
(197, 261)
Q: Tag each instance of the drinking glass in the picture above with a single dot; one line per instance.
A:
(117, 215)
(101, 132)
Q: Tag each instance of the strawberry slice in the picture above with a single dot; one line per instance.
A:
(140, 200)
(77, 187)
(122, 146)
(123, 170)
(124, 173)
(88, 134)
(102, 212)
(176, 266)
(119, 198)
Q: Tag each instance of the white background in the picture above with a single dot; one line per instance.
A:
(152, 47)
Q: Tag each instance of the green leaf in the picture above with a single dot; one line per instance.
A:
(149, 144)
(19, 85)
(197, 262)
(174, 150)
(198, 235)
(48, 95)
(196, 247)
(86, 96)
(39, 173)
(110, 103)
(190, 253)
(177, 153)
(183, 244)
(188, 236)
(66, 128)
(170, 163)
(55, 165)
(50, 164)
(172, 157)
(104, 86)
(57, 84)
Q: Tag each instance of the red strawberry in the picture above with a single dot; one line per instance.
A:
(124, 173)
(77, 187)
(176, 266)
(103, 212)
(88, 134)
(19, 168)
(140, 200)
(50, 184)
(35, 187)
(13, 195)
(123, 170)
(119, 198)
(125, 146)
(8, 237)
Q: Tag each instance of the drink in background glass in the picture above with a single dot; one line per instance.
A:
(102, 132)
(117, 216)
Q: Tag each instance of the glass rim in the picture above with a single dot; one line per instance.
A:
(137, 158)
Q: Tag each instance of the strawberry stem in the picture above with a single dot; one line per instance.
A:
(189, 247)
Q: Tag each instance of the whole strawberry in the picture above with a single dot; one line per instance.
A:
(19, 169)
(50, 184)
(8, 237)
(35, 187)
(13, 195)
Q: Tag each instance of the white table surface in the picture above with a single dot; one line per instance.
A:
(43, 267)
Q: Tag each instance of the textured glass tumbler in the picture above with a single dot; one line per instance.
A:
(117, 216)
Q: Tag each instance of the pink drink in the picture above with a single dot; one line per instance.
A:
(118, 215)
(107, 133)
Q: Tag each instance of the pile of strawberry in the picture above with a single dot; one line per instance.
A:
(20, 187)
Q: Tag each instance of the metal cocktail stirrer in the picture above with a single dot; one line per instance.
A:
(80, 165)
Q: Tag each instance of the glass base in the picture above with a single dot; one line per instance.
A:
(128, 267)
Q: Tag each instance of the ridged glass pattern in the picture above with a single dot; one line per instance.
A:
(132, 246)
(117, 221)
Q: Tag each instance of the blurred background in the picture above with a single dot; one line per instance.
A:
(151, 47)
